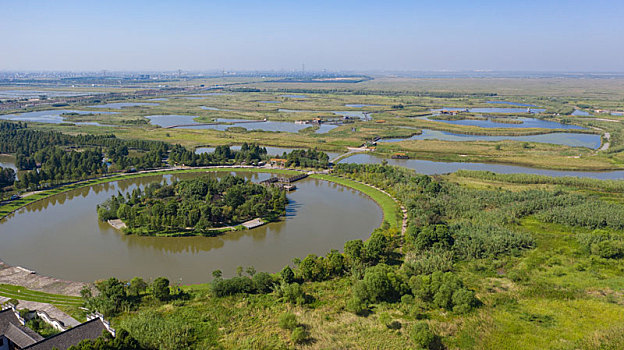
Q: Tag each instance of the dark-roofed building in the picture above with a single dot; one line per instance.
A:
(91, 329)
(13, 332)
(14, 335)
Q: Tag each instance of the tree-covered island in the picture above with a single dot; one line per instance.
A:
(201, 206)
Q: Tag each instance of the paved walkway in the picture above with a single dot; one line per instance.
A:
(351, 151)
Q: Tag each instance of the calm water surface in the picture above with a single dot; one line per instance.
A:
(62, 237)
(428, 167)
(526, 123)
(51, 116)
(491, 110)
(512, 103)
(295, 96)
(189, 123)
(559, 138)
(7, 161)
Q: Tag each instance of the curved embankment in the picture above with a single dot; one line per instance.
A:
(388, 204)
(19, 277)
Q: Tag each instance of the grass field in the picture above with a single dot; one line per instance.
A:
(22, 293)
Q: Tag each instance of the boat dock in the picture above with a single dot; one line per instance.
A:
(284, 182)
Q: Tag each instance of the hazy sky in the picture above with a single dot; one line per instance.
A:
(545, 35)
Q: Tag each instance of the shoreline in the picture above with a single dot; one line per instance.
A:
(25, 278)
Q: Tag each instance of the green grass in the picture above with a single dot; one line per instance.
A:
(22, 293)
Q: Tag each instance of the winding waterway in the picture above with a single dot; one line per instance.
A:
(62, 237)
(558, 138)
(428, 167)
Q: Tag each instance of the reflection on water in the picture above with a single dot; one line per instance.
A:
(524, 123)
(275, 151)
(559, 138)
(491, 110)
(188, 122)
(428, 167)
(512, 103)
(62, 237)
(50, 116)
(7, 161)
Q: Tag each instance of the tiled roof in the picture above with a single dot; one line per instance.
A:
(12, 328)
(88, 330)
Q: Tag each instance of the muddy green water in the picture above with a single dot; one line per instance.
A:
(62, 237)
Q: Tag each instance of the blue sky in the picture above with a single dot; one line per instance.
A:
(413, 35)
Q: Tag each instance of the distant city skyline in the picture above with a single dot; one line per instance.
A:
(453, 35)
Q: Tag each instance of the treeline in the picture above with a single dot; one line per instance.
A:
(59, 166)
(7, 177)
(50, 158)
(311, 158)
(194, 206)
(18, 138)
(248, 154)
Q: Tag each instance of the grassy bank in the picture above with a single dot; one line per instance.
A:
(390, 208)
(22, 293)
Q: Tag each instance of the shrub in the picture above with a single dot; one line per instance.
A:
(263, 282)
(376, 247)
(312, 268)
(288, 321)
(380, 283)
(292, 293)
(422, 335)
(443, 290)
(287, 275)
(232, 286)
(428, 262)
(160, 288)
(299, 335)
(357, 306)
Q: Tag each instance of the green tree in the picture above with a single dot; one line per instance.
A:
(160, 288)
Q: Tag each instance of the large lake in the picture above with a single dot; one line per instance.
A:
(559, 138)
(62, 237)
(428, 167)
